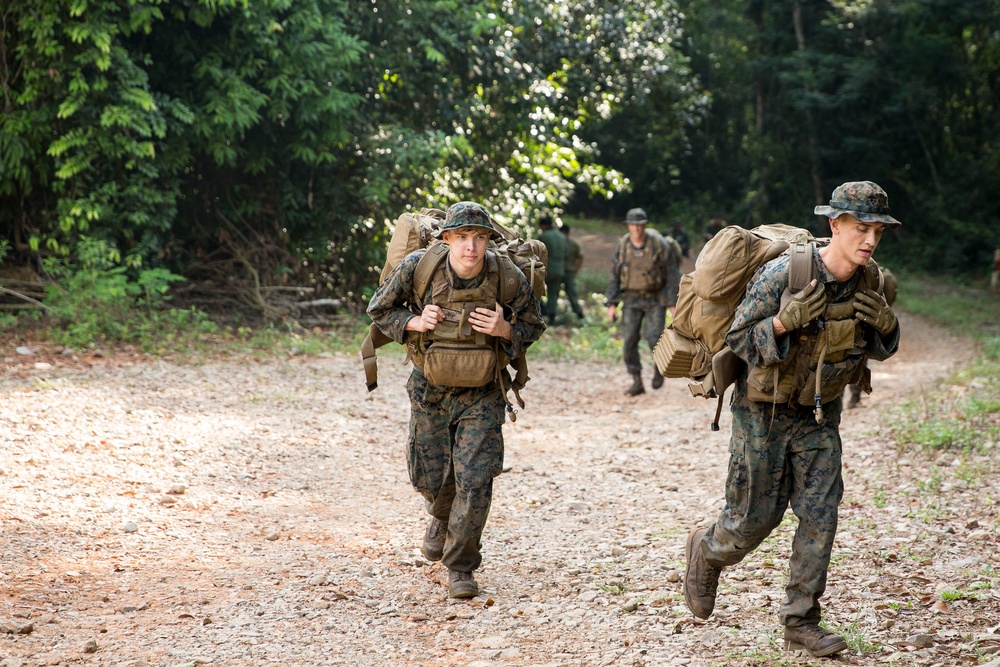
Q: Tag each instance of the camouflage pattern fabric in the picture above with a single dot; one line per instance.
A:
(468, 214)
(780, 455)
(454, 450)
(642, 318)
(573, 260)
(751, 335)
(455, 445)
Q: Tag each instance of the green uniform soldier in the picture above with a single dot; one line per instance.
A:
(574, 260)
(645, 277)
(555, 266)
(460, 340)
(785, 451)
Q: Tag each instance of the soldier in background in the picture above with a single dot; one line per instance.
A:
(995, 278)
(555, 266)
(679, 235)
(574, 260)
(714, 226)
(645, 278)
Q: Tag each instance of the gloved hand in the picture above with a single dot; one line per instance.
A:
(870, 307)
(804, 307)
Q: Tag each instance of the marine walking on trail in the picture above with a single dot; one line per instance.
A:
(800, 351)
(460, 338)
(645, 276)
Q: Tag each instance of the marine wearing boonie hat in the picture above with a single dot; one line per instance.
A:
(636, 216)
(468, 214)
(865, 200)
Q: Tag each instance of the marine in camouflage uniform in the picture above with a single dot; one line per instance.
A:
(644, 311)
(785, 454)
(455, 446)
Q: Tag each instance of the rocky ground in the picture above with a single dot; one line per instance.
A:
(258, 513)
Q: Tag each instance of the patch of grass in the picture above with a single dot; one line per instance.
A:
(858, 637)
(615, 588)
(965, 415)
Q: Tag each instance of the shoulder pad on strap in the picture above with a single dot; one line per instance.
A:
(801, 268)
(426, 266)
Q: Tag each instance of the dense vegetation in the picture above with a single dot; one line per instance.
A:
(256, 146)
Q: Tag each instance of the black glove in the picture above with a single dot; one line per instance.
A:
(870, 307)
(804, 307)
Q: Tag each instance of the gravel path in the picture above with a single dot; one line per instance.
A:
(258, 513)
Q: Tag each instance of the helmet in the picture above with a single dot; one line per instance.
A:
(468, 214)
(865, 200)
(636, 216)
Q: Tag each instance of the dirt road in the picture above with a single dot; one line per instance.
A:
(259, 514)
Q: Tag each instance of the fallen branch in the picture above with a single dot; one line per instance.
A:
(25, 297)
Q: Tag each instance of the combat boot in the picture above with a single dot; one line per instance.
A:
(657, 378)
(636, 387)
(434, 536)
(462, 585)
(819, 642)
(701, 580)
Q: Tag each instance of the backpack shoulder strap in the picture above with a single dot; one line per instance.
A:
(426, 266)
(801, 268)
(509, 274)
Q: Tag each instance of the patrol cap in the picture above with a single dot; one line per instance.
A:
(636, 216)
(865, 200)
(468, 214)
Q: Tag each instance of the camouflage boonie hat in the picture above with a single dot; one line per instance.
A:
(865, 200)
(467, 214)
(636, 216)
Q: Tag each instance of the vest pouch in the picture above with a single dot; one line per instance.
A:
(839, 338)
(760, 384)
(834, 379)
(448, 364)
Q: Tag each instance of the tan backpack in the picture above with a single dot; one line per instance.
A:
(694, 345)
(515, 256)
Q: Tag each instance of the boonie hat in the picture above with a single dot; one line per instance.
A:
(467, 214)
(865, 200)
(636, 216)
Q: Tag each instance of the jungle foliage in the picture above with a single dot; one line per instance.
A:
(257, 147)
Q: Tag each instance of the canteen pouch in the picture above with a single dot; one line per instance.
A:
(835, 378)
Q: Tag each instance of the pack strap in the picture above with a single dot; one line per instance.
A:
(801, 268)
(374, 340)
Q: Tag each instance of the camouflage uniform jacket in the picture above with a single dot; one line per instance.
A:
(751, 335)
(394, 304)
(557, 248)
(667, 295)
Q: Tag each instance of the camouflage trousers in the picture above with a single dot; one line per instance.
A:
(454, 451)
(642, 317)
(780, 456)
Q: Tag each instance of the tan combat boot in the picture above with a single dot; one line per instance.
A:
(819, 642)
(701, 580)
(434, 536)
(462, 585)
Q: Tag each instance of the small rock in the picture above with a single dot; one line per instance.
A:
(177, 490)
(89, 647)
(588, 596)
(631, 605)
(23, 350)
(921, 641)
(42, 365)
(673, 576)
(317, 580)
(130, 527)
(978, 535)
(973, 524)
(272, 536)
